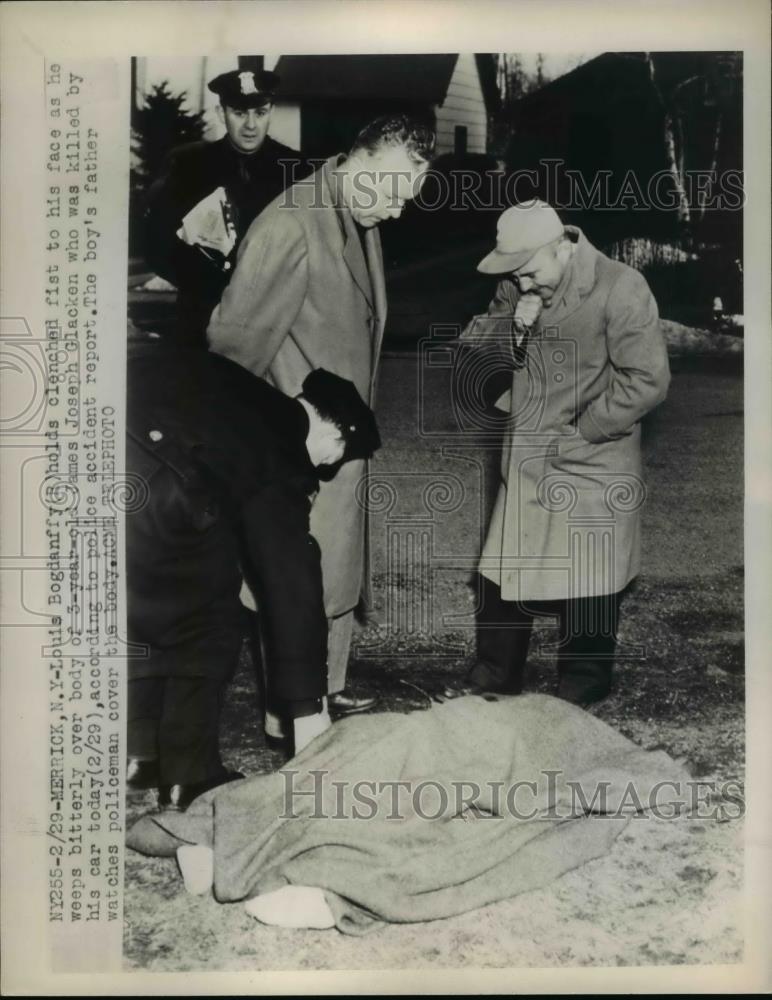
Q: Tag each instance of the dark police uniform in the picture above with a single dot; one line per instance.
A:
(193, 172)
(228, 480)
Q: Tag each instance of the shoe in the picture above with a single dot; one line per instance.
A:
(142, 774)
(460, 688)
(584, 689)
(343, 703)
(177, 798)
(279, 744)
(486, 681)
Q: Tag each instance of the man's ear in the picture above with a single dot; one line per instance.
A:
(564, 250)
(220, 113)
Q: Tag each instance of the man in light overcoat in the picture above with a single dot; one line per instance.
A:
(308, 291)
(564, 537)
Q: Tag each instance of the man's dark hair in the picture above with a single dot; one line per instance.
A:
(397, 130)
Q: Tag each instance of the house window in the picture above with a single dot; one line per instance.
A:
(459, 140)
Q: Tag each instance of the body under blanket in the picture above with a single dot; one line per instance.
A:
(402, 818)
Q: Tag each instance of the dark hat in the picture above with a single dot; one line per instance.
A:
(337, 399)
(245, 88)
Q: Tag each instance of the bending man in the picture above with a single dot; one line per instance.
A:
(228, 465)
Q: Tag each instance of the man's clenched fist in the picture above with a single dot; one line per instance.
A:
(527, 309)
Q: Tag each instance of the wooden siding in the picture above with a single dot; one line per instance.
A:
(285, 123)
(463, 105)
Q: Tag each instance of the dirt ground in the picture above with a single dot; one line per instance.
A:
(669, 892)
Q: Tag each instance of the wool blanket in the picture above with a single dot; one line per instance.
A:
(416, 817)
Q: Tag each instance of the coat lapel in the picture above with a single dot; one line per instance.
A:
(378, 284)
(580, 283)
(355, 259)
(353, 254)
(367, 273)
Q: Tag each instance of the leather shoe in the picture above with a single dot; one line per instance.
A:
(177, 798)
(279, 744)
(460, 688)
(142, 773)
(345, 703)
(585, 687)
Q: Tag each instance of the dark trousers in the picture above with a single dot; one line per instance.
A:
(268, 701)
(586, 642)
(175, 720)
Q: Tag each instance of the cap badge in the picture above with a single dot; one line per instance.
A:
(247, 81)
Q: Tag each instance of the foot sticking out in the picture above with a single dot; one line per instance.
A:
(292, 906)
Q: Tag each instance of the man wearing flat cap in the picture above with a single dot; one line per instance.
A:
(201, 206)
(230, 465)
(589, 361)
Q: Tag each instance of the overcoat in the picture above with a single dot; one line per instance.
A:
(305, 296)
(566, 522)
(191, 174)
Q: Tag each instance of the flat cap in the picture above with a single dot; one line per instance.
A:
(521, 231)
(337, 399)
(245, 88)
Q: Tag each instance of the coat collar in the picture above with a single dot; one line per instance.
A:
(581, 279)
(368, 274)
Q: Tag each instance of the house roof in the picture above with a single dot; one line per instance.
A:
(420, 79)
(589, 79)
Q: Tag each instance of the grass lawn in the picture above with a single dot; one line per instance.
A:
(669, 891)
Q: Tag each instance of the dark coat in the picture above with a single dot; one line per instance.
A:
(306, 294)
(228, 483)
(192, 173)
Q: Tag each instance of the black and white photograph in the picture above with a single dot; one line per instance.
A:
(514, 602)
(403, 560)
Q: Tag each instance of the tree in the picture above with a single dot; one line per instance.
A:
(159, 126)
(698, 93)
(515, 81)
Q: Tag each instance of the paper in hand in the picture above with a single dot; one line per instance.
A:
(209, 225)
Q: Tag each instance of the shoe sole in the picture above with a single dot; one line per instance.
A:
(353, 711)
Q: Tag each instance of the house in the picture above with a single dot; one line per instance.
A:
(611, 140)
(324, 100)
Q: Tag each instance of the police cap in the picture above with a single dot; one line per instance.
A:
(337, 399)
(245, 88)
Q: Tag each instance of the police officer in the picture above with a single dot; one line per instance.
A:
(201, 206)
(227, 465)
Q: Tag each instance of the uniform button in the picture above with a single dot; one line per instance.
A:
(227, 265)
(155, 435)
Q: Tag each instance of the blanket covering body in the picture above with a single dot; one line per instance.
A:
(433, 846)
